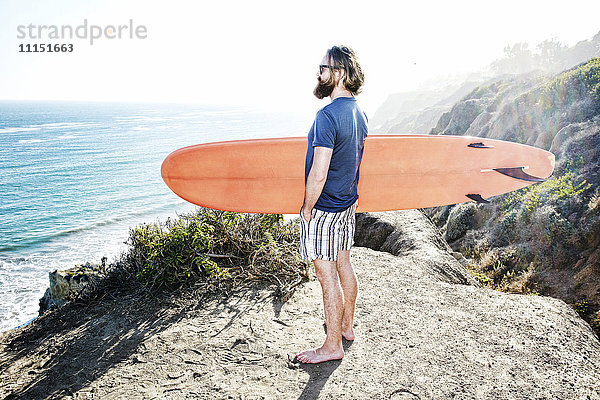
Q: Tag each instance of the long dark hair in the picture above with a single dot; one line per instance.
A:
(345, 58)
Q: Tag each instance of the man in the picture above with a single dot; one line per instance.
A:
(335, 147)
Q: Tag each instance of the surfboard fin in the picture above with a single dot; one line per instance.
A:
(518, 173)
(480, 145)
(477, 197)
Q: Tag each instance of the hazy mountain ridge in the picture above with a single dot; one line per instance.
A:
(417, 112)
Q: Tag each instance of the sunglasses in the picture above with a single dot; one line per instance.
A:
(323, 66)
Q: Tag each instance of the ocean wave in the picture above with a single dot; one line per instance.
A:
(37, 127)
(31, 141)
(141, 119)
(18, 129)
(22, 284)
(67, 136)
(134, 218)
(57, 125)
(81, 177)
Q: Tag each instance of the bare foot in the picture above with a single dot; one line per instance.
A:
(315, 356)
(348, 334)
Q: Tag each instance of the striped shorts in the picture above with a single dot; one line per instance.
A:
(327, 233)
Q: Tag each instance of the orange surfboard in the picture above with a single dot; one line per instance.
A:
(397, 172)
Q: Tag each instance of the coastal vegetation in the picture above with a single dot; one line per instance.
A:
(542, 239)
(214, 249)
(586, 75)
(207, 251)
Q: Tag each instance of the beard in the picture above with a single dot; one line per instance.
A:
(324, 88)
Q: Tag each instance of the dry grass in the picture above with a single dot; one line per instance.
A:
(208, 252)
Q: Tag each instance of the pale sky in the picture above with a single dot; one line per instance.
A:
(265, 53)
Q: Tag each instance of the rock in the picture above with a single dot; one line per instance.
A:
(460, 220)
(371, 231)
(45, 302)
(480, 125)
(439, 215)
(410, 233)
(417, 122)
(552, 224)
(68, 282)
(459, 119)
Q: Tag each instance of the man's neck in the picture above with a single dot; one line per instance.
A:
(340, 92)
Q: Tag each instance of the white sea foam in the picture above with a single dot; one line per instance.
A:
(24, 279)
(59, 125)
(20, 282)
(67, 137)
(30, 141)
(18, 129)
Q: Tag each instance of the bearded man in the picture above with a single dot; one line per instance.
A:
(335, 148)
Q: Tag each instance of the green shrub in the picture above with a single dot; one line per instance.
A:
(585, 76)
(215, 249)
(581, 307)
(554, 191)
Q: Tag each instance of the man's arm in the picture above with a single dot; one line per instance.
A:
(316, 179)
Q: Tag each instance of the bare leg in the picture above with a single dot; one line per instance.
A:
(333, 303)
(350, 291)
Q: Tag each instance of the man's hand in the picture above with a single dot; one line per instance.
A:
(305, 214)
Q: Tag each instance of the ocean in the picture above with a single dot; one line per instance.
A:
(75, 177)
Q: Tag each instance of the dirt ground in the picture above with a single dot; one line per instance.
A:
(418, 337)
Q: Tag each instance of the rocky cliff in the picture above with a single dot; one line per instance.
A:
(543, 238)
(425, 330)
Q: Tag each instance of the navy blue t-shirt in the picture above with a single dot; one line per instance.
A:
(341, 126)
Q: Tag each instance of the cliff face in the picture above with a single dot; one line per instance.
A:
(530, 109)
(543, 238)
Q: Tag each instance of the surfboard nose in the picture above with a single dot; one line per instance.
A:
(164, 168)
